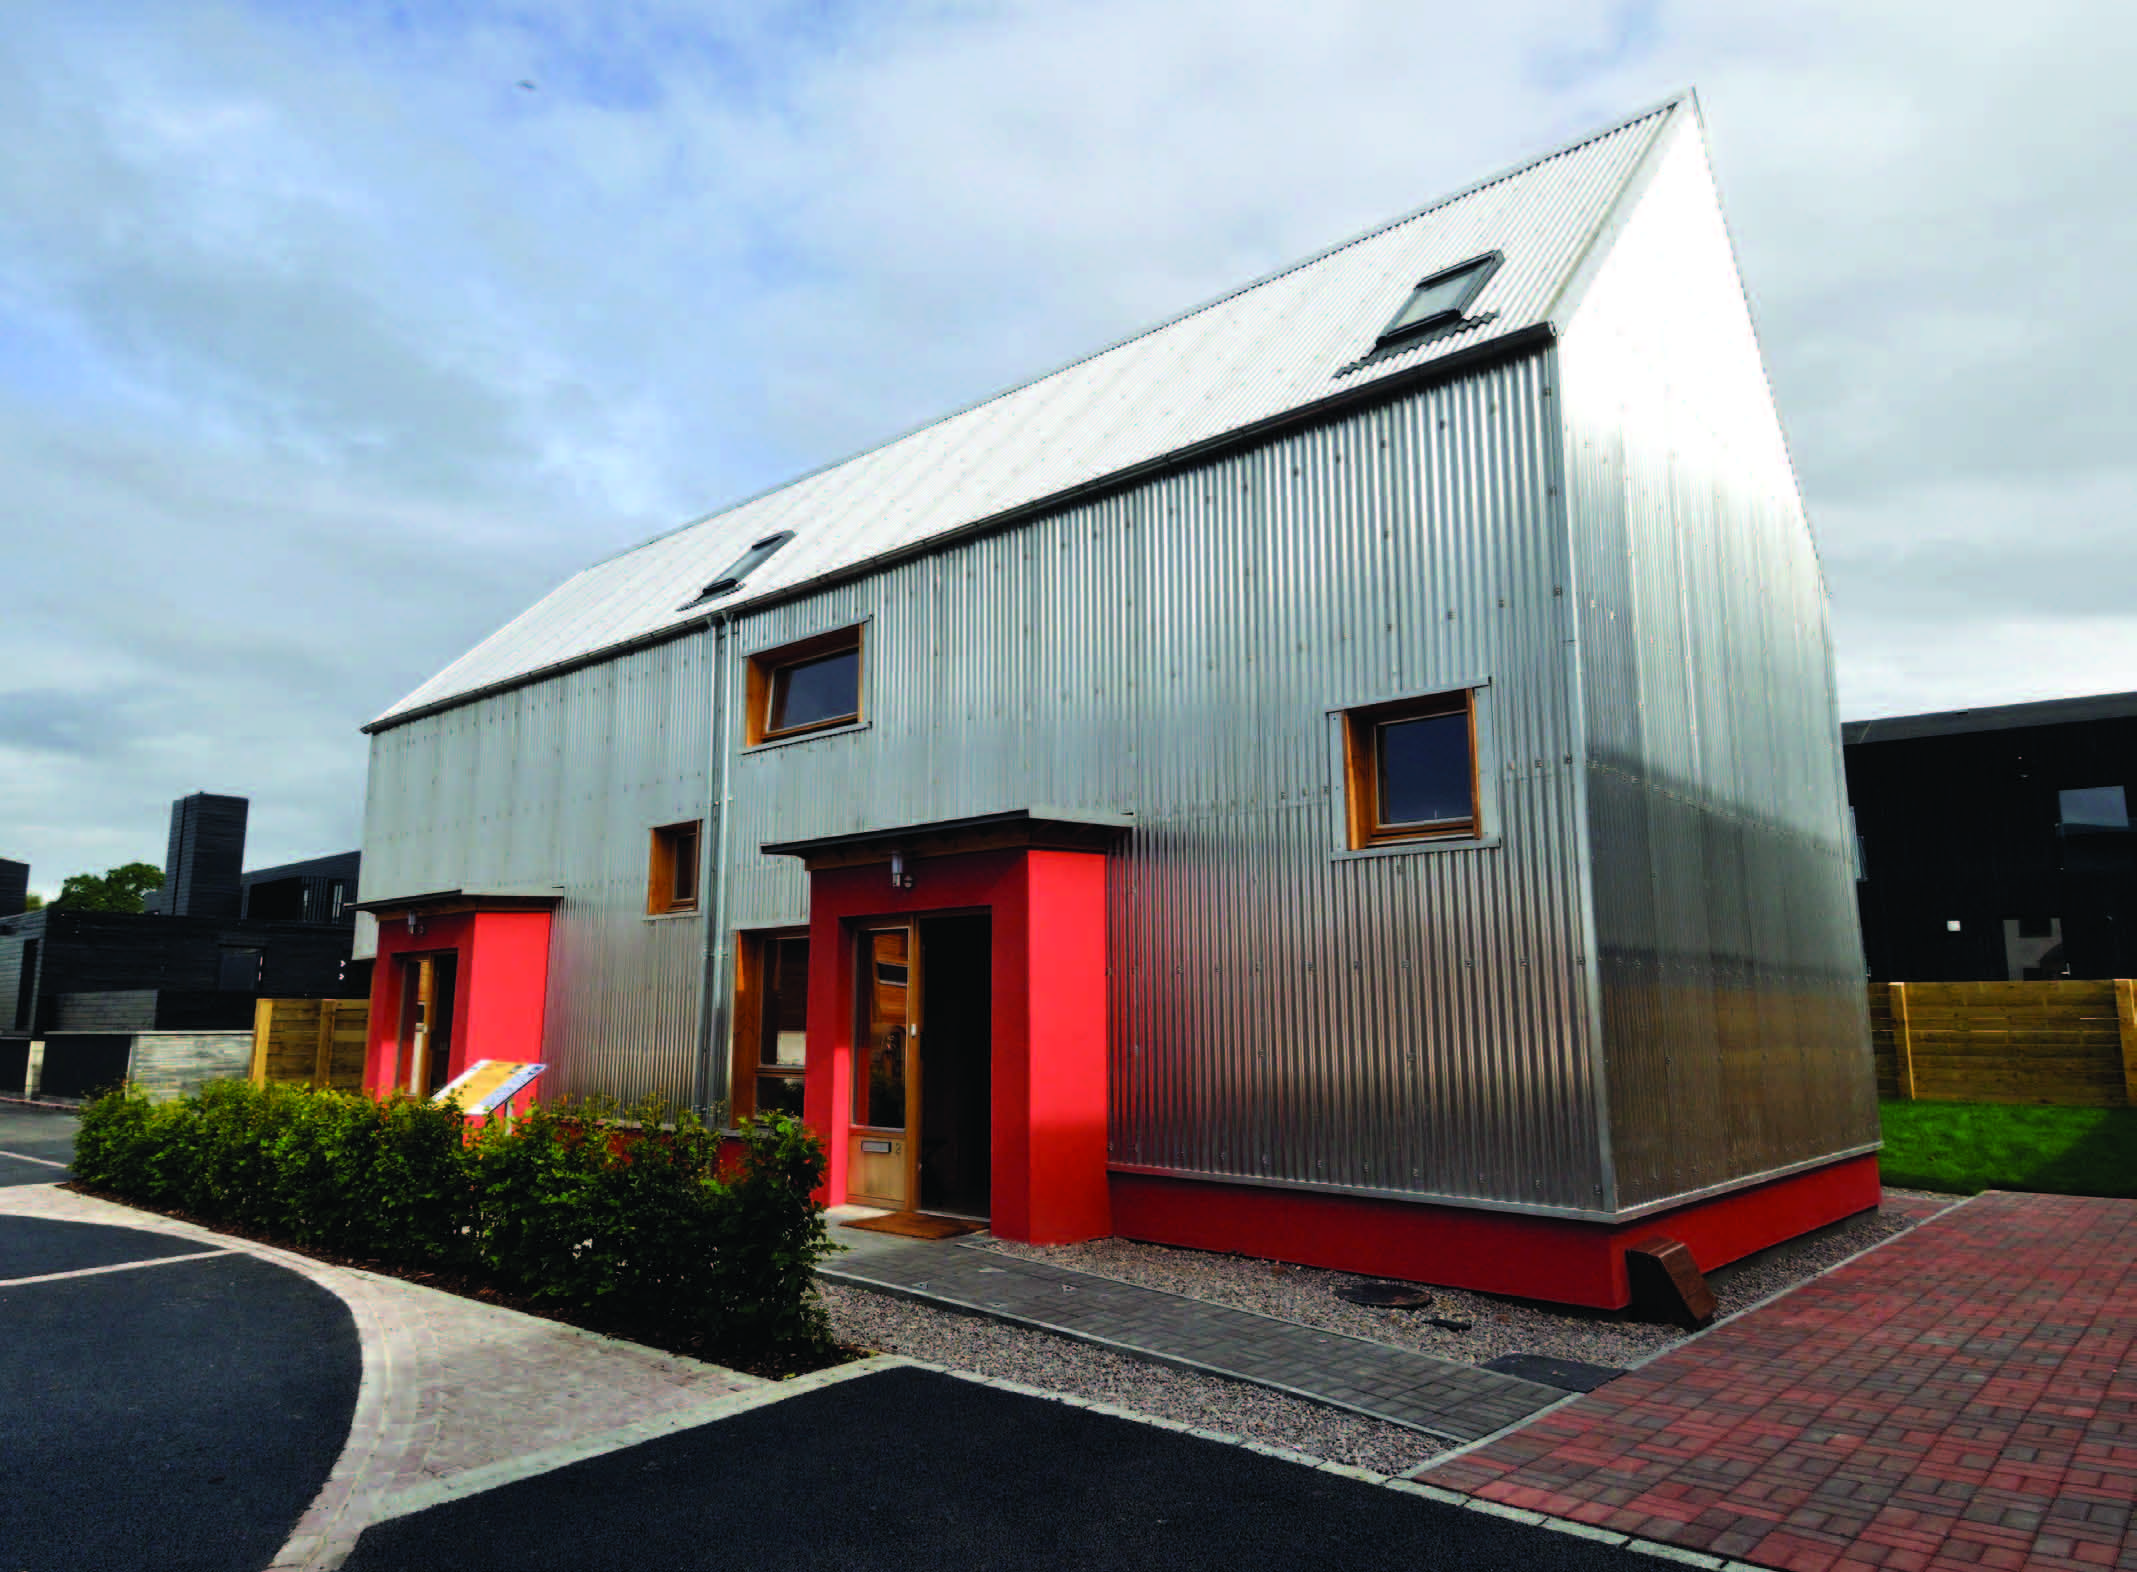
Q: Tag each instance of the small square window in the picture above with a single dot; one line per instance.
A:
(805, 687)
(1411, 769)
(672, 874)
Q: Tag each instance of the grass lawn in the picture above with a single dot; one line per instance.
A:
(1964, 1148)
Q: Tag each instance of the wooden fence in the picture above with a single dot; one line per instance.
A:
(319, 1042)
(2071, 1043)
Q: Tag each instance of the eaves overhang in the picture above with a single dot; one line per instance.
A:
(1507, 346)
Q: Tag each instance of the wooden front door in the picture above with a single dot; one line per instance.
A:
(922, 1084)
(886, 1071)
(426, 1022)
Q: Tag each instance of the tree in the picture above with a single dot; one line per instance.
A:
(115, 890)
(33, 902)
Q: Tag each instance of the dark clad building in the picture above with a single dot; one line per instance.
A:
(14, 887)
(1995, 844)
(212, 941)
(203, 865)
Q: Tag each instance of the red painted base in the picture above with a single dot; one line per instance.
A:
(1549, 1258)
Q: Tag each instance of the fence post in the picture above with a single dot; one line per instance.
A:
(323, 1058)
(1902, 1042)
(263, 1021)
(2126, 1017)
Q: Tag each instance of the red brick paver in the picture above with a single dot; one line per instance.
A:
(1964, 1396)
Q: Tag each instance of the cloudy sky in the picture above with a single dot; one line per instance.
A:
(331, 337)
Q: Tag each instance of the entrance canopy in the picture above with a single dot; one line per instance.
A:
(462, 975)
(957, 1017)
(1043, 829)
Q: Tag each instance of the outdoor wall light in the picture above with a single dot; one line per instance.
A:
(415, 926)
(899, 878)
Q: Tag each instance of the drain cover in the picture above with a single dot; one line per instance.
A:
(1568, 1375)
(1385, 1296)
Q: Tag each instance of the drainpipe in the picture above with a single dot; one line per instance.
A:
(715, 956)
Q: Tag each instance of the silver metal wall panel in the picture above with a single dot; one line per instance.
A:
(1272, 347)
(1730, 965)
(561, 784)
(1412, 1023)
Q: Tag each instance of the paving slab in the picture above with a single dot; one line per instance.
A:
(1965, 1395)
(1455, 1402)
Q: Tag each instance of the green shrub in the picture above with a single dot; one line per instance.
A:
(617, 1216)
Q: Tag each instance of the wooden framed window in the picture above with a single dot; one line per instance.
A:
(1410, 769)
(771, 1023)
(809, 686)
(672, 870)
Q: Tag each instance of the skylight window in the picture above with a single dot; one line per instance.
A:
(743, 566)
(1440, 300)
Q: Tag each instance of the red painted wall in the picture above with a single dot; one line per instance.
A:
(1558, 1259)
(501, 988)
(1047, 1140)
(504, 990)
(1066, 1195)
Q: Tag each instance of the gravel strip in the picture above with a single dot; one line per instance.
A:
(898, 1326)
(1499, 1326)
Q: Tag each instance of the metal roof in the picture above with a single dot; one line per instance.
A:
(1274, 348)
(1993, 717)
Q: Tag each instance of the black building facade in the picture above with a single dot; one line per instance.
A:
(76, 971)
(210, 943)
(1995, 844)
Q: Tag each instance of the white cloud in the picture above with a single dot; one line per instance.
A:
(325, 346)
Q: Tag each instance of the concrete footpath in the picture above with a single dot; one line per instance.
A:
(1441, 1397)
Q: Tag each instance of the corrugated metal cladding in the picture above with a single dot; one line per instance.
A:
(1272, 347)
(1411, 1023)
(1730, 962)
(560, 783)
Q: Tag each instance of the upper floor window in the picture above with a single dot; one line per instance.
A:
(1411, 769)
(671, 878)
(804, 687)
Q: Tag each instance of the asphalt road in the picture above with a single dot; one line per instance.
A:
(32, 1140)
(169, 1416)
(911, 1471)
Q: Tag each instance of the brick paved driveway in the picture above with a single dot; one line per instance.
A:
(1964, 1396)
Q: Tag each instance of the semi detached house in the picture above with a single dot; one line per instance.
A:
(1350, 774)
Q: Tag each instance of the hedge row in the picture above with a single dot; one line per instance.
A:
(617, 1217)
